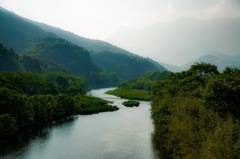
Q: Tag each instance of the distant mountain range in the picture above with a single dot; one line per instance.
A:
(76, 55)
(183, 40)
(220, 60)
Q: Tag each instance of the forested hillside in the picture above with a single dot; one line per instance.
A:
(196, 113)
(146, 82)
(126, 66)
(36, 41)
(9, 61)
(89, 44)
(17, 33)
(76, 60)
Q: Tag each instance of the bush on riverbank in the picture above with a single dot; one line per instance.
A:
(131, 103)
(133, 94)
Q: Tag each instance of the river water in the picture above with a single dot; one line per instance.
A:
(124, 134)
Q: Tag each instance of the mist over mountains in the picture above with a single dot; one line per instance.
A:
(218, 59)
(38, 47)
(179, 42)
(175, 45)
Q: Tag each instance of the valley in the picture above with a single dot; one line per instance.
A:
(66, 96)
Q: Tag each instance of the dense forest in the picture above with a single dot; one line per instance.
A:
(36, 88)
(29, 101)
(196, 113)
(127, 67)
(70, 59)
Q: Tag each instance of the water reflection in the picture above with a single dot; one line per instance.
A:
(19, 145)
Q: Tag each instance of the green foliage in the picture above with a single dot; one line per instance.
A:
(146, 82)
(196, 113)
(76, 60)
(8, 125)
(30, 101)
(47, 83)
(222, 93)
(90, 105)
(133, 94)
(102, 79)
(125, 66)
(16, 104)
(9, 60)
(131, 103)
(204, 69)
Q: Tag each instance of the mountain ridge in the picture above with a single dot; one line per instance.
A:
(183, 40)
(31, 33)
(219, 59)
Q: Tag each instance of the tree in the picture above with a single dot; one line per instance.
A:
(222, 94)
(8, 125)
(204, 69)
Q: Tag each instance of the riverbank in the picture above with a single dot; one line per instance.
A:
(133, 94)
(126, 133)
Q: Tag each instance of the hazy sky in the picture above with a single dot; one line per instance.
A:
(97, 19)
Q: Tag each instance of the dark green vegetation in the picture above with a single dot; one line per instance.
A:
(9, 61)
(196, 113)
(126, 66)
(134, 94)
(29, 101)
(139, 88)
(131, 103)
(76, 60)
(146, 82)
(57, 55)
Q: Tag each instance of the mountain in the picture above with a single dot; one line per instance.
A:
(183, 40)
(220, 60)
(127, 67)
(172, 68)
(17, 33)
(29, 37)
(107, 56)
(76, 60)
(89, 44)
(11, 62)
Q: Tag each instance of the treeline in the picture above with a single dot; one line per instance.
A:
(139, 88)
(57, 55)
(146, 82)
(30, 101)
(196, 113)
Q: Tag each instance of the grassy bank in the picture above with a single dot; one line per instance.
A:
(131, 103)
(133, 94)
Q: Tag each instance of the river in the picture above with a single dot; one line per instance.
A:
(124, 134)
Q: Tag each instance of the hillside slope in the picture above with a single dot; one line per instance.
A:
(17, 33)
(76, 60)
(24, 35)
